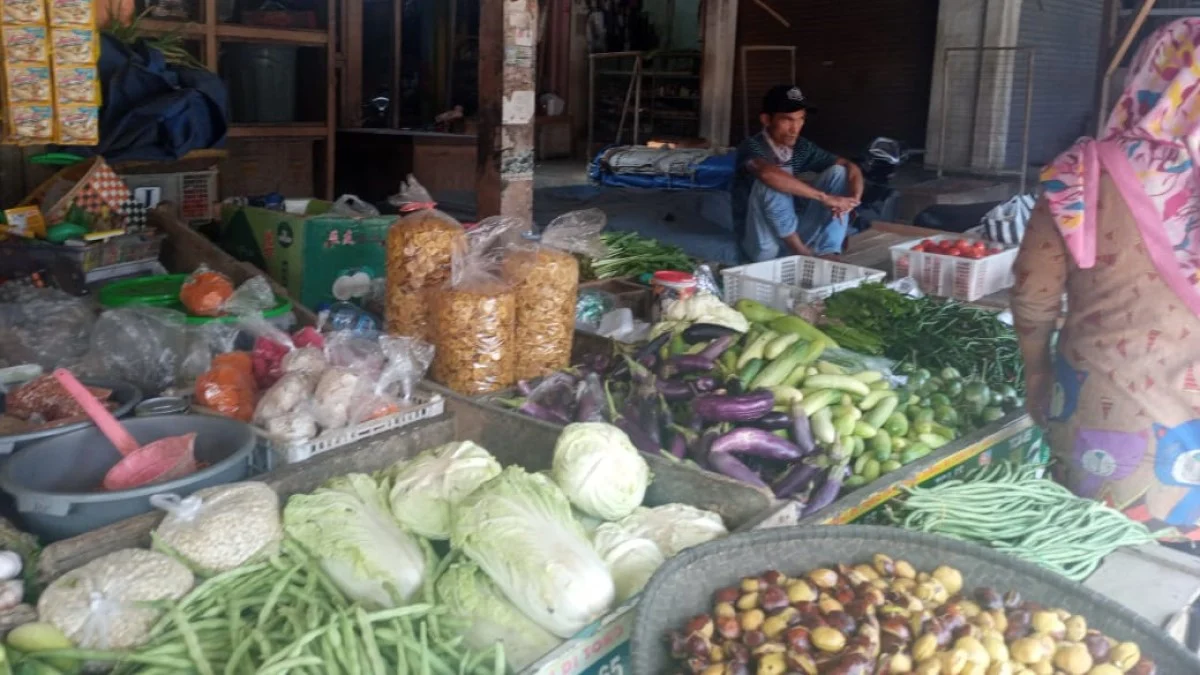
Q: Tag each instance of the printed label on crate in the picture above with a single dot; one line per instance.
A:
(605, 650)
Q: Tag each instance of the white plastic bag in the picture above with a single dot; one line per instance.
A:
(1005, 224)
(222, 527)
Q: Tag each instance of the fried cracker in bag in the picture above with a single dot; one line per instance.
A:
(420, 248)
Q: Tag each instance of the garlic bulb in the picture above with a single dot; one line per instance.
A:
(10, 565)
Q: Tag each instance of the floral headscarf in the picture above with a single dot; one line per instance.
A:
(1156, 128)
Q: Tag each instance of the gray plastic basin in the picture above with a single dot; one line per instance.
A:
(56, 481)
(126, 395)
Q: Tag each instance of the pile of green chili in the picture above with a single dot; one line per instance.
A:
(1014, 510)
(284, 615)
(931, 332)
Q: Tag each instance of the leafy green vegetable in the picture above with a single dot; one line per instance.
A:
(630, 254)
(520, 530)
(488, 617)
(347, 524)
(424, 488)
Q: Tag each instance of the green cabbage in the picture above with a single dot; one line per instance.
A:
(347, 524)
(518, 527)
(490, 618)
(426, 486)
(600, 470)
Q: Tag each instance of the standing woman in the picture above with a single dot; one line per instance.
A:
(1119, 232)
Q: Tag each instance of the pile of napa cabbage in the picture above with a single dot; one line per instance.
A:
(517, 564)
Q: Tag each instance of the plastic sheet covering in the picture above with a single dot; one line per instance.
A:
(44, 326)
(144, 346)
(546, 283)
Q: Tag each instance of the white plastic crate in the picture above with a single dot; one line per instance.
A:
(949, 276)
(423, 406)
(785, 282)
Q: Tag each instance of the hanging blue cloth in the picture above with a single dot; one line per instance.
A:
(154, 111)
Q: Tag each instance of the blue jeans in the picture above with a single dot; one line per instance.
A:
(772, 215)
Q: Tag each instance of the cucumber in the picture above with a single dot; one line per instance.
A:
(822, 424)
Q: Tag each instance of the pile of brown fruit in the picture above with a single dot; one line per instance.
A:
(885, 617)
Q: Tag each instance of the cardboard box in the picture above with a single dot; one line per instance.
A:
(319, 257)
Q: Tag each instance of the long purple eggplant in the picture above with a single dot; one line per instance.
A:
(524, 387)
(829, 490)
(717, 347)
(731, 466)
(703, 332)
(757, 443)
(773, 421)
(647, 354)
(678, 446)
(704, 383)
(674, 390)
(743, 408)
(801, 432)
(690, 363)
(638, 435)
(796, 480)
(699, 445)
(540, 412)
(589, 400)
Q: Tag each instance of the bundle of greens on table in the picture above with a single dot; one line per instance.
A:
(444, 563)
(632, 255)
(756, 395)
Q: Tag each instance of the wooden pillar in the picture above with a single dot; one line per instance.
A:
(507, 103)
(716, 70)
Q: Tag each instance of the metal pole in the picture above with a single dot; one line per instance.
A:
(945, 109)
(591, 103)
(1028, 115)
(637, 99)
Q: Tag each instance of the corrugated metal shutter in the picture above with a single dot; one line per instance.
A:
(865, 63)
(1065, 36)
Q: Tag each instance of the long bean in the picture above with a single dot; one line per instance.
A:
(1014, 510)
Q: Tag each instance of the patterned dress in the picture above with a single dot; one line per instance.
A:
(1124, 418)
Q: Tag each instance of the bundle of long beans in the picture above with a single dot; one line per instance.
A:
(1012, 509)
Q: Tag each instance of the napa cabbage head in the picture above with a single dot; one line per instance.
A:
(632, 559)
(600, 470)
(348, 526)
(488, 617)
(519, 529)
(674, 527)
(425, 487)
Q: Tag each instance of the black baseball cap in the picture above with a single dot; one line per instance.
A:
(785, 98)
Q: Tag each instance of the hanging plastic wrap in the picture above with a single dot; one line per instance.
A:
(144, 346)
(420, 248)
(474, 316)
(44, 326)
(389, 393)
(545, 279)
(204, 342)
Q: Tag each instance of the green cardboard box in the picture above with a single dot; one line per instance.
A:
(318, 256)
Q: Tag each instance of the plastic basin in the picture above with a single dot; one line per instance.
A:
(125, 394)
(56, 482)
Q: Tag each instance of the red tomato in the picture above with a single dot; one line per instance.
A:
(919, 248)
(962, 243)
(975, 254)
(980, 248)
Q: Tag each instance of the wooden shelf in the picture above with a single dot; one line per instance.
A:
(237, 32)
(298, 130)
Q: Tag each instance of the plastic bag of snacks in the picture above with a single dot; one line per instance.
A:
(420, 247)
(474, 315)
(545, 277)
(204, 292)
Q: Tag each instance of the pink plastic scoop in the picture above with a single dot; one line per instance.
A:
(164, 459)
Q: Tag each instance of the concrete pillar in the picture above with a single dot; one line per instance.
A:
(716, 70)
(507, 105)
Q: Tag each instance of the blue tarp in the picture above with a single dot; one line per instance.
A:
(714, 173)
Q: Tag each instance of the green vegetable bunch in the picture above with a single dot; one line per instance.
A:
(630, 254)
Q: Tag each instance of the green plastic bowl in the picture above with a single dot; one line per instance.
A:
(163, 291)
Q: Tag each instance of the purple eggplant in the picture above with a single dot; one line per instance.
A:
(524, 387)
(704, 383)
(678, 446)
(828, 491)
(540, 412)
(773, 421)
(674, 390)
(699, 444)
(717, 347)
(647, 354)
(703, 332)
(589, 400)
(757, 443)
(691, 363)
(796, 480)
(636, 434)
(743, 408)
(801, 432)
(731, 466)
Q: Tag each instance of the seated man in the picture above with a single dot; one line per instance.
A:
(776, 213)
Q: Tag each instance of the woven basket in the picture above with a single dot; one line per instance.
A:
(683, 587)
